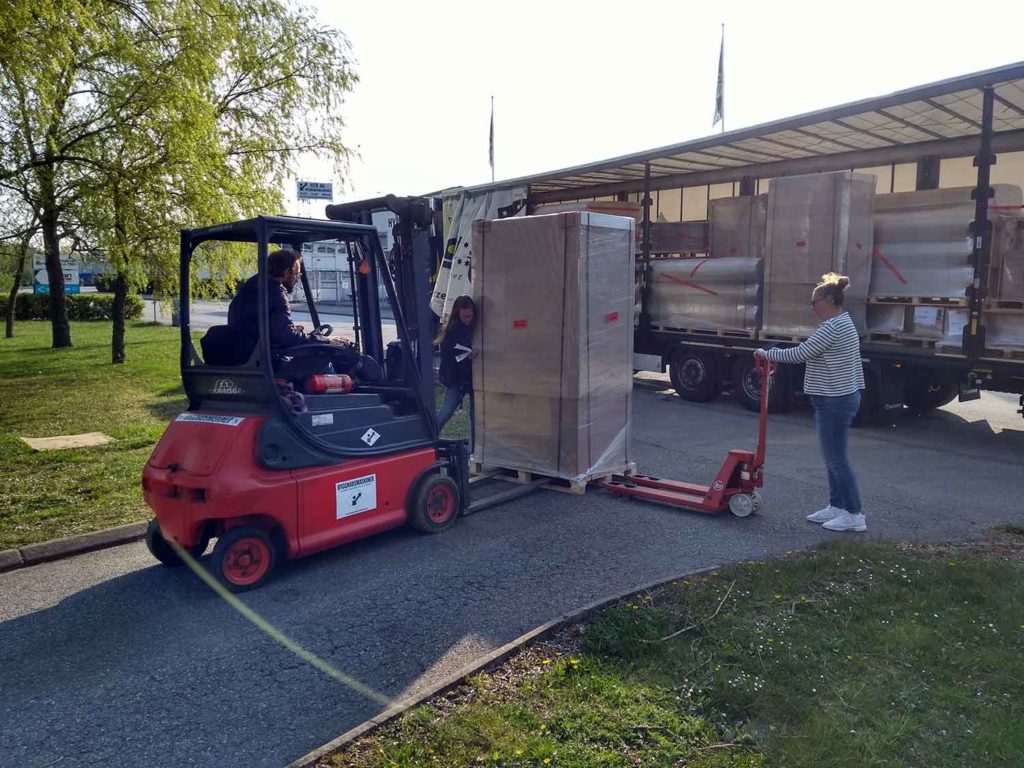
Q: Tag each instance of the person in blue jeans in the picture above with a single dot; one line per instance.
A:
(456, 370)
(833, 379)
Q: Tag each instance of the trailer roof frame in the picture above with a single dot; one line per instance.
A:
(940, 119)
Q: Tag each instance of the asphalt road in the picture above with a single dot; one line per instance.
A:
(110, 659)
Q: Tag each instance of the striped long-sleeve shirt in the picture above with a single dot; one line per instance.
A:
(832, 358)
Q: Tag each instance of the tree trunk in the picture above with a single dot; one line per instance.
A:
(18, 272)
(61, 328)
(117, 341)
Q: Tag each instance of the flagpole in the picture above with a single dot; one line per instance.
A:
(492, 140)
(721, 74)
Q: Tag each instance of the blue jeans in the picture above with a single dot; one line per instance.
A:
(453, 397)
(833, 416)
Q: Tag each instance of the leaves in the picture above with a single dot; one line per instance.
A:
(130, 120)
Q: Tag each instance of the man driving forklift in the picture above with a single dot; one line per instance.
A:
(285, 269)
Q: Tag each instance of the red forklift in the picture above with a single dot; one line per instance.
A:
(276, 468)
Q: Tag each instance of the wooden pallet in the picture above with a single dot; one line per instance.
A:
(1004, 304)
(717, 333)
(479, 472)
(938, 301)
(1003, 353)
(782, 337)
(900, 340)
(992, 354)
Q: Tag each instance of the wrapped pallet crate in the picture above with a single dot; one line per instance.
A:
(553, 374)
(816, 224)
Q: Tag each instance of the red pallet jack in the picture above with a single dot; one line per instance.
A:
(735, 486)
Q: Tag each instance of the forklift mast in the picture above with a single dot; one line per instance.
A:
(411, 263)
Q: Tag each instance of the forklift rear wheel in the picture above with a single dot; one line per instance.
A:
(243, 558)
(745, 504)
(164, 552)
(435, 504)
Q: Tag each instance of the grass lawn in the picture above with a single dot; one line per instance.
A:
(46, 392)
(861, 654)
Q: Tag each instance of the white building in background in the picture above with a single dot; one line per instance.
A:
(327, 269)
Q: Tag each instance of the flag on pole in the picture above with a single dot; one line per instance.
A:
(491, 148)
(720, 90)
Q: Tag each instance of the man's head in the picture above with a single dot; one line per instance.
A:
(285, 267)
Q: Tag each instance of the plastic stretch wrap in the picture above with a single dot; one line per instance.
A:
(816, 224)
(555, 343)
(1008, 255)
(923, 243)
(1003, 331)
(934, 322)
(886, 318)
(706, 293)
(737, 226)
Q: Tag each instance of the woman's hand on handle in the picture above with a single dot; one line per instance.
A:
(760, 354)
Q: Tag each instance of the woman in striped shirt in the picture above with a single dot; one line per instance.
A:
(833, 380)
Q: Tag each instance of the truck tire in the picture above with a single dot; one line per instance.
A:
(695, 375)
(922, 396)
(746, 383)
(870, 412)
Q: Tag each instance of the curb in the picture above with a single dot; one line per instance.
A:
(57, 549)
(493, 659)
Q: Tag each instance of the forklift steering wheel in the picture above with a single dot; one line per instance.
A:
(324, 329)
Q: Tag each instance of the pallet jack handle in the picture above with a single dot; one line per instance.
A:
(766, 368)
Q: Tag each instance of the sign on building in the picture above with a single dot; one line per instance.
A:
(41, 281)
(315, 190)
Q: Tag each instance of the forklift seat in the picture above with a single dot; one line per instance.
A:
(224, 345)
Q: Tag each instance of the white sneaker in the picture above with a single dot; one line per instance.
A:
(846, 522)
(826, 514)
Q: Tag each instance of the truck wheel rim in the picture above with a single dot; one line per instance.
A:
(440, 504)
(694, 373)
(246, 561)
(752, 384)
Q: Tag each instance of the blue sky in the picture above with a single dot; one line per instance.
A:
(575, 82)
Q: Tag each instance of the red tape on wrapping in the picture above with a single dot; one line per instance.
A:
(689, 284)
(878, 255)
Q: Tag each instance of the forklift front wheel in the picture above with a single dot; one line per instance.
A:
(435, 506)
(164, 552)
(745, 504)
(243, 558)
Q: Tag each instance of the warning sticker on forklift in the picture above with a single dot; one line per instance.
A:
(370, 437)
(355, 496)
(320, 419)
(209, 418)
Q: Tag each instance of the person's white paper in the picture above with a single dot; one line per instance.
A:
(466, 352)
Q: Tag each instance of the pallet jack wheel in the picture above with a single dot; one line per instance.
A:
(243, 558)
(164, 552)
(745, 504)
(435, 505)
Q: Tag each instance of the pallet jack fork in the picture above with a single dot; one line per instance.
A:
(734, 487)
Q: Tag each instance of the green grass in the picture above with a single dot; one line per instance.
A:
(862, 654)
(46, 392)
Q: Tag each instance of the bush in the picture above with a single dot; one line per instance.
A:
(81, 307)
